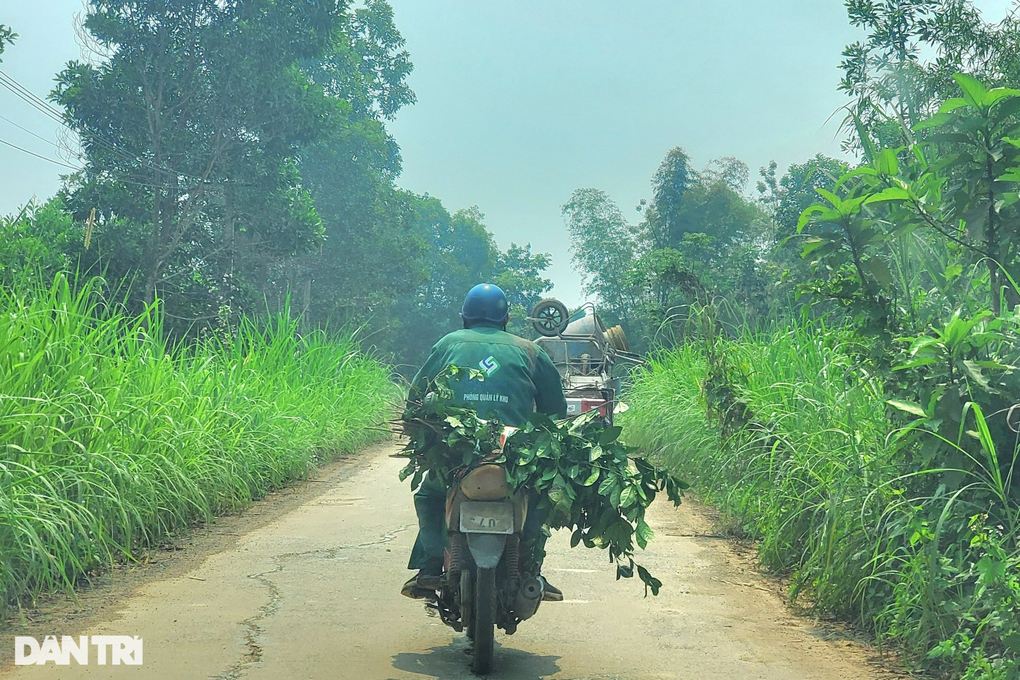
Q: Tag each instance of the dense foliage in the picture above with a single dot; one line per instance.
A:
(867, 434)
(114, 439)
(236, 157)
(699, 237)
(587, 480)
(800, 449)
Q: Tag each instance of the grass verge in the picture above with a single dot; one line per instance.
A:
(112, 439)
(802, 450)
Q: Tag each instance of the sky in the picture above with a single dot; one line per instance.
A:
(521, 102)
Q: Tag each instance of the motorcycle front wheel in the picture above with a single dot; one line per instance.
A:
(484, 620)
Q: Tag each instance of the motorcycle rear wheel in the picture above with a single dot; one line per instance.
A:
(484, 620)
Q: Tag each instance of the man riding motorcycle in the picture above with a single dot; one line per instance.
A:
(520, 378)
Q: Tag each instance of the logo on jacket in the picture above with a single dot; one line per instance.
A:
(489, 365)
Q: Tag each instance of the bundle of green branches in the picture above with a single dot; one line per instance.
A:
(586, 479)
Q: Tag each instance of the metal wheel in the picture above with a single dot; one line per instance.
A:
(467, 602)
(484, 620)
(549, 317)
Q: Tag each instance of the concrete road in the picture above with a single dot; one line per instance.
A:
(314, 593)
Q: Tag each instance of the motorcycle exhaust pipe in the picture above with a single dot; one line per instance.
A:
(529, 596)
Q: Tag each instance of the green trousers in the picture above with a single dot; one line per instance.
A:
(430, 506)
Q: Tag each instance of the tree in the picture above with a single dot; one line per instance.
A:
(190, 132)
(905, 67)
(700, 239)
(717, 233)
(727, 170)
(368, 68)
(372, 253)
(784, 200)
(603, 245)
(459, 253)
(519, 274)
(669, 186)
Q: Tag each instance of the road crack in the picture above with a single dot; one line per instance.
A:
(253, 628)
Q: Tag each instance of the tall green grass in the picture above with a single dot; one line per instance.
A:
(111, 439)
(816, 475)
(802, 474)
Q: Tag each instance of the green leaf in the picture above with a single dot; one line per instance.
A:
(864, 136)
(610, 435)
(835, 201)
(880, 271)
(627, 497)
(651, 583)
(890, 194)
(976, 374)
(997, 94)
(995, 366)
(887, 163)
(938, 120)
(908, 406)
(593, 477)
(643, 534)
(865, 171)
(596, 453)
(974, 92)
(816, 213)
(951, 105)
(922, 343)
(559, 496)
(1008, 199)
(990, 569)
(812, 244)
(954, 138)
(915, 363)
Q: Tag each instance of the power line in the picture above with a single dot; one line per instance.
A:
(45, 158)
(39, 104)
(39, 137)
(29, 98)
(43, 107)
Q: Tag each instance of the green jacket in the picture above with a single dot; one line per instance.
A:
(520, 377)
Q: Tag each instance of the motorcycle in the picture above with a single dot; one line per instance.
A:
(483, 586)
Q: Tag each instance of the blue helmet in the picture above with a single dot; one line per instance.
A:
(485, 302)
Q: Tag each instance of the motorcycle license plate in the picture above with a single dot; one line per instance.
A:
(486, 518)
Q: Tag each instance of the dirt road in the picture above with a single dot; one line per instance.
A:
(313, 593)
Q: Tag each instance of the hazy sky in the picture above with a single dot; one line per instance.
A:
(520, 102)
